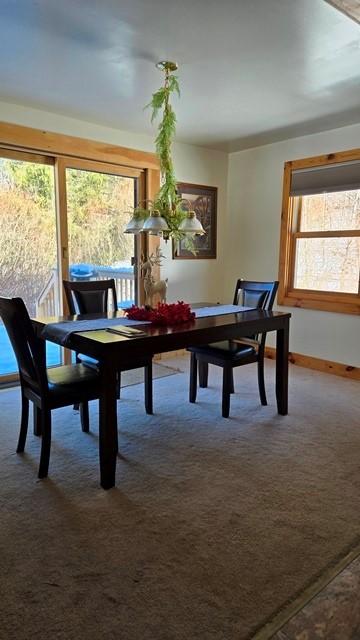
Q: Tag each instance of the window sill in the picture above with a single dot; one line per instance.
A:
(321, 301)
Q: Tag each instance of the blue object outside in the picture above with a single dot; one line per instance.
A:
(85, 271)
(80, 271)
(8, 362)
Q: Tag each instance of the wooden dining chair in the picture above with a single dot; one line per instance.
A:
(47, 389)
(93, 297)
(234, 353)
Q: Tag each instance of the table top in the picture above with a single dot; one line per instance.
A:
(167, 338)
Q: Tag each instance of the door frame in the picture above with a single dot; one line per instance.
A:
(64, 151)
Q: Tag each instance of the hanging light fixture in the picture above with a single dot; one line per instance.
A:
(191, 224)
(135, 225)
(146, 218)
(155, 224)
(165, 215)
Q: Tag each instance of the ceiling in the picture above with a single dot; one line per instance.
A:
(250, 71)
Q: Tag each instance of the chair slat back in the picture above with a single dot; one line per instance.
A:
(90, 297)
(260, 295)
(24, 342)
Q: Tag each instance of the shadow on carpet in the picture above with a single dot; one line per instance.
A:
(136, 376)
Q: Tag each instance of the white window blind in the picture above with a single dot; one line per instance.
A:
(326, 179)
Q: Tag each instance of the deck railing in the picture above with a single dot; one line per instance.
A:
(48, 301)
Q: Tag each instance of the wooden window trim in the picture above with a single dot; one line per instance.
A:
(287, 294)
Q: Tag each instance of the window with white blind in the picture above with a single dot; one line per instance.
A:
(320, 234)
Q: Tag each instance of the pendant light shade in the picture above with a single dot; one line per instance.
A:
(135, 225)
(155, 224)
(191, 225)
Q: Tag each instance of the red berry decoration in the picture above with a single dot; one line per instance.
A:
(163, 314)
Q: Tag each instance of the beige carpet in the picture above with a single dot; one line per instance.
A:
(136, 376)
(214, 527)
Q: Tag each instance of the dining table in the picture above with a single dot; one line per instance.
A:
(111, 350)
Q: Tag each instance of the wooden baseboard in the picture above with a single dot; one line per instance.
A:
(309, 362)
(326, 366)
(170, 354)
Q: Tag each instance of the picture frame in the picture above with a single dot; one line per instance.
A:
(203, 200)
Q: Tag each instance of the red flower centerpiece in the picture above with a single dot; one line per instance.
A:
(163, 314)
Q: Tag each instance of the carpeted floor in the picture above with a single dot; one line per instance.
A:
(214, 527)
(136, 376)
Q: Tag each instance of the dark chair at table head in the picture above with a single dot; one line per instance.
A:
(259, 295)
(234, 353)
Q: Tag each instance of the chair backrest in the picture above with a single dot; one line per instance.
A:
(29, 356)
(259, 295)
(90, 297)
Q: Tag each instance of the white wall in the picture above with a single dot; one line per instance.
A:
(200, 280)
(189, 280)
(253, 235)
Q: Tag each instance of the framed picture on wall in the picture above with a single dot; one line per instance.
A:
(202, 200)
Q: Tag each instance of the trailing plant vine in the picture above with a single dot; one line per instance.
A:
(167, 201)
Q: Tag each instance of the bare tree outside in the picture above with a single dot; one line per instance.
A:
(27, 229)
(331, 263)
(97, 205)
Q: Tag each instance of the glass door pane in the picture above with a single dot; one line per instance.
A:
(98, 248)
(28, 247)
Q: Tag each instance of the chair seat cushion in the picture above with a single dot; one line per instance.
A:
(88, 360)
(73, 380)
(226, 349)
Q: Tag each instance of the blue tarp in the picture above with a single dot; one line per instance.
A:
(85, 271)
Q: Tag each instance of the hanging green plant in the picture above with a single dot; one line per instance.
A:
(167, 205)
(167, 201)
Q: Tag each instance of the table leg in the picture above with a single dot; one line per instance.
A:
(282, 368)
(41, 345)
(37, 421)
(108, 436)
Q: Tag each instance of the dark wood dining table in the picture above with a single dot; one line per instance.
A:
(111, 349)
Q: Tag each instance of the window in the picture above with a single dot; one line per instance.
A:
(320, 233)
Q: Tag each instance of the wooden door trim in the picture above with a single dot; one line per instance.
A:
(26, 156)
(101, 167)
(20, 137)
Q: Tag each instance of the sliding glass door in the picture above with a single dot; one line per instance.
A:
(62, 218)
(28, 242)
(97, 206)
